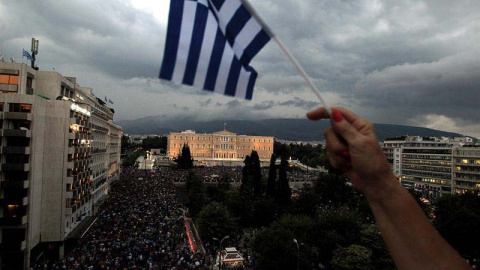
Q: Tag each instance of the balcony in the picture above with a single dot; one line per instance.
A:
(8, 87)
(17, 133)
(14, 221)
(68, 195)
(25, 167)
(17, 116)
(15, 184)
(16, 150)
(29, 91)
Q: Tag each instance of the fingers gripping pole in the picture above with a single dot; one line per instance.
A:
(294, 61)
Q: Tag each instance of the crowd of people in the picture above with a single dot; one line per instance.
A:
(139, 226)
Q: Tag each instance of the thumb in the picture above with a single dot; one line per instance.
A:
(342, 127)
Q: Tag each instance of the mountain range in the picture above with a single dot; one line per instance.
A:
(286, 129)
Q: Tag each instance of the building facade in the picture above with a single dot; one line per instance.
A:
(50, 176)
(434, 166)
(222, 145)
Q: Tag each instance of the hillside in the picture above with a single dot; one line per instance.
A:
(287, 129)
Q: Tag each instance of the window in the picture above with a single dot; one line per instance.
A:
(20, 107)
(8, 79)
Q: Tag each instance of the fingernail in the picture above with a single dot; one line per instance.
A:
(345, 154)
(337, 116)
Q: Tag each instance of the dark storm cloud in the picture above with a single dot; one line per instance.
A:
(108, 36)
(402, 62)
(445, 87)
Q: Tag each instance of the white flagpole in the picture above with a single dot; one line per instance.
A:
(287, 52)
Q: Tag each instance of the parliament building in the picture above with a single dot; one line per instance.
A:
(219, 146)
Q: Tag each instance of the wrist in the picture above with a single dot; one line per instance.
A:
(384, 189)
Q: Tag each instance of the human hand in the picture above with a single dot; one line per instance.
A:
(353, 147)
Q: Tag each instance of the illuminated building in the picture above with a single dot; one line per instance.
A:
(466, 172)
(434, 166)
(219, 146)
(51, 175)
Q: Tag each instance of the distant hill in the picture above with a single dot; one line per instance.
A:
(286, 129)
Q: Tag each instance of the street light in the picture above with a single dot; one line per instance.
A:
(219, 258)
(298, 252)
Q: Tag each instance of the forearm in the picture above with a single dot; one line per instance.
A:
(411, 239)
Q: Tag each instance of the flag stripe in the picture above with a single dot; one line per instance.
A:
(171, 46)
(196, 44)
(189, 10)
(243, 80)
(214, 64)
(206, 52)
(224, 70)
(244, 38)
(236, 24)
(226, 13)
(232, 80)
(217, 3)
(251, 83)
(260, 40)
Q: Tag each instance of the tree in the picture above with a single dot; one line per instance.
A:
(196, 193)
(251, 175)
(257, 174)
(185, 160)
(274, 246)
(458, 221)
(125, 144)
(333, 189)
(214, 220)
(283, 191)
(156, 142)
(272, 177)
(370, 238)
(352, 257)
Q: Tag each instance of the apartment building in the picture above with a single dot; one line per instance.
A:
(221, 145)
(48, 182)
(434, 166)
(466, 172)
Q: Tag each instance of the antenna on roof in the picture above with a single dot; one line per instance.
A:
(34, 52)
(12, 59)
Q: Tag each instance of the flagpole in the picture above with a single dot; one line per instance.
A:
(292, 58)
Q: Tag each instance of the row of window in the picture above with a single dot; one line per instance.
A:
(223, 139)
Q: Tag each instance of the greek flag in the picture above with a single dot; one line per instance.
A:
(26, 54)
(210, 44)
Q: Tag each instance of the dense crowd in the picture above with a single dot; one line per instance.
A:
(140, 226)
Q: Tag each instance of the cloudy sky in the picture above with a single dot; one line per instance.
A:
(396, 62)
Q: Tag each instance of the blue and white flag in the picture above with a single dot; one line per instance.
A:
(26, 54)
(210, 44)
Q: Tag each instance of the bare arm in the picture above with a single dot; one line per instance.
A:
(412, 241)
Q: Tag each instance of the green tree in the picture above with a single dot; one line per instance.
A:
(214, 220)
(125, 144)
(196, 193)
(333, 189)
(274, 246)
(283, 191)
(257, 174)
(370, 238)
(185, 160)
(354, 257)
(272, 177)
(458, 221)
(156, 142)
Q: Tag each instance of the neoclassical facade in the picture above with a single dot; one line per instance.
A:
(221, 145)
